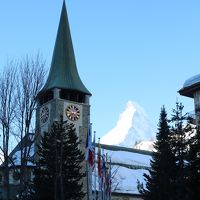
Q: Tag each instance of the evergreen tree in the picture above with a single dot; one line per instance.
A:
(181, 130)
(58, 172)
(159, 181)
(193, 181)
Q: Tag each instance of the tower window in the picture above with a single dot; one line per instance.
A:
(72, 96)
(45, 97)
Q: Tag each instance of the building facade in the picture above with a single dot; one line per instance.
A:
(191, 89)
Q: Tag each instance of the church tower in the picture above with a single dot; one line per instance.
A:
(64, 93)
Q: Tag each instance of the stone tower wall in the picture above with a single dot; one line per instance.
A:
(57, 108)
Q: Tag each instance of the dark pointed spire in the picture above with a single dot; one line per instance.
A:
(63, 73)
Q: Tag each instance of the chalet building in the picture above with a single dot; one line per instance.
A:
(191, 89)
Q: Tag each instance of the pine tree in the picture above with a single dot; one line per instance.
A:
(193, 181)
(181, 130)
(59, 172)
(159, 181)
(73, 168)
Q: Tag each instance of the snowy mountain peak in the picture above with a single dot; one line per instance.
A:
(132, 127)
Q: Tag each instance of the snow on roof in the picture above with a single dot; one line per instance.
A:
(125, 180)
(28, 140)
(191, 81)
(126, 177)
(127, 169)
(17, 156)
(129, 158)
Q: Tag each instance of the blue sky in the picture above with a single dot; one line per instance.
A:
(137, 50)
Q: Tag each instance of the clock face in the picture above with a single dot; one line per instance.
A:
(72, 112)
(44, 114)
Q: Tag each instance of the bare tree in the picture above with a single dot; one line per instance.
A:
(29, 83)
(7, 116)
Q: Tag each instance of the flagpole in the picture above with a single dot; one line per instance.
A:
(87, 180)
(110, 182)
(90, 181)
(95, 187)
(99, 169)
(103, 177)
(90, 169)
(88, 145)
(106, 178)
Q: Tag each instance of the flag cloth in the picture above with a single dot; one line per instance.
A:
(91, 157)
(108, 184)
(88, 142)
(99, 159)
(99, 170)
(103, 168)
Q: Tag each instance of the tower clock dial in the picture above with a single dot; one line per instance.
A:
(72, 112)
(44, 114)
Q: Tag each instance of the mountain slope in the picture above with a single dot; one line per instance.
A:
(132, 128)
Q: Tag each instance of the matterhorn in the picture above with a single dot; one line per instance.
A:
(133, 129)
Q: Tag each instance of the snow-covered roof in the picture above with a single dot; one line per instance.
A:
(128, 167)
(126, 179)
(15, 155)
(190, 86)
(191, 81)
(129, 158)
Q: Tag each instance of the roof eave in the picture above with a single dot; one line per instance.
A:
(190, 90)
